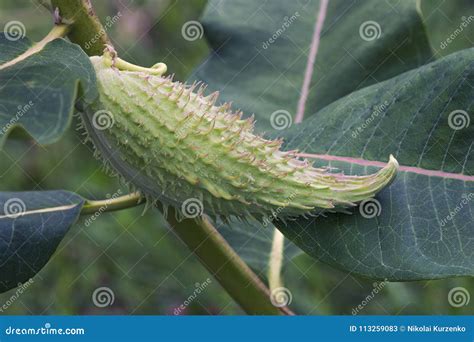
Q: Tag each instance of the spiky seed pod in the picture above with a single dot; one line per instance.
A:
(172, 143)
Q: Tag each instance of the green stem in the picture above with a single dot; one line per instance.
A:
(199, 235)
(224, 263)
(214, 253)
(86, 29)
(112, 204)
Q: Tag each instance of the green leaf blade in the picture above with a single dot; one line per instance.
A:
(261, 51)
(38, 93)
(424, 228)
(32, 224)
(264, 79)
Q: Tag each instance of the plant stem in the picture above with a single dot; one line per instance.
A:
(199, 235)
(224, 263)
(276, 255)
(276, 260)
(112, 204)
(86, 29)
(213, 252)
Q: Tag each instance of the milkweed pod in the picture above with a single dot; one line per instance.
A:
(172, 143)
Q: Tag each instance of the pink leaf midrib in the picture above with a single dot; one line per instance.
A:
(411, 169)
(308, 75)
(304, 97)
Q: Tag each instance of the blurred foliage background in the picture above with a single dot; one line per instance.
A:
(132, 252)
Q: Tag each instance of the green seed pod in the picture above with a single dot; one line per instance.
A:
(173, 144)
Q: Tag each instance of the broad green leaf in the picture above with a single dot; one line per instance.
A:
(38, 93)
(450, 24)
(422, 226)
(263, 77)
(32, 224)
(261, 49)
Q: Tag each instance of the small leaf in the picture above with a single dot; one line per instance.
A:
(38, 92)
(32, 224)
